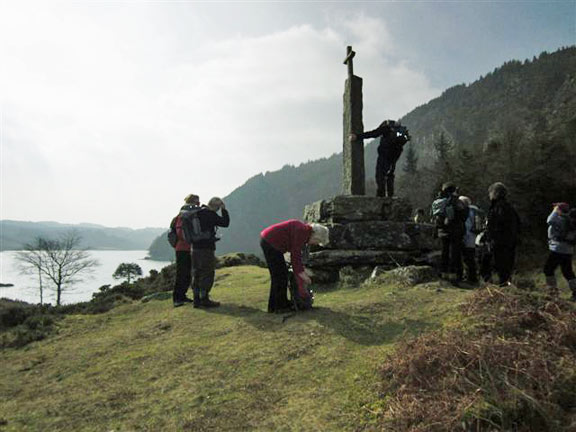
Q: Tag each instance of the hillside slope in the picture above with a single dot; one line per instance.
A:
(148, 366)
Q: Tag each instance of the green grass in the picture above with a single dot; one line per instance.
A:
(150, 367)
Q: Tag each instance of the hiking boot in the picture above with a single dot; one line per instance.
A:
(210, 303)
(206, 303)
(179, 303)
(187, 300)
(552, 286)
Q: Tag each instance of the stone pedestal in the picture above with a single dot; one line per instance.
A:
(368, 232)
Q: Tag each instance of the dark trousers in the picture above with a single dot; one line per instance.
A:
(469, 258)
(556, 259)
(278, 298)
(504, 258)
(385, 167)
(452, 256)
(183, 275)
(203, 270)
(485, 263)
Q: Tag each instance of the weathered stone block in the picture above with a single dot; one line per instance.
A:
(412, 275)
(382, 235)
(345, 209)
(340, 258)
(315, 212)
(354, 275)
(323, 276)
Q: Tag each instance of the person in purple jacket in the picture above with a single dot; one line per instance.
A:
(561, 242)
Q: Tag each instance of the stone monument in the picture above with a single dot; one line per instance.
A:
(353, 177)
(365, 232)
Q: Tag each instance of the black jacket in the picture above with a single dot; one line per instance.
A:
(389, 142)
(209, 220)
(503, 223)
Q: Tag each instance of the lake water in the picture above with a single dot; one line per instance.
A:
(26, 286)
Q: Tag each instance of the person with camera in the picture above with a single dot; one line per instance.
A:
(502, 231)
(393, 136)
(203, 251)
(561, 243)
(276, 240)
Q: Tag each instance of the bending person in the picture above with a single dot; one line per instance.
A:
(289, 236)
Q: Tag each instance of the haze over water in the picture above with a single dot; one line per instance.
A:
(26, 286)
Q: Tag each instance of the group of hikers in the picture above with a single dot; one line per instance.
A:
(193, 234)
(469, 235)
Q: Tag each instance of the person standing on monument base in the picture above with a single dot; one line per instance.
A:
(203, 251)
(393, 136)
(502, 231)
(289, 236)
(183, 255)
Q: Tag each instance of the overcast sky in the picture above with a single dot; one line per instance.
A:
(113, 111)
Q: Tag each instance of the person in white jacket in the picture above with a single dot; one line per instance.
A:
(561, 242)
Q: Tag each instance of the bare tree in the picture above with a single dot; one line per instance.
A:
(61, 262)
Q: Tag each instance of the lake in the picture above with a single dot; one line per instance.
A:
(26, 286)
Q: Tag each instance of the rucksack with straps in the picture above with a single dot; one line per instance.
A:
(191, 227)
(443, 211)
(172, 234)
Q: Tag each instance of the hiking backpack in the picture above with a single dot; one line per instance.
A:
(300, 302)
(172, 234)
(443, 211)
(191, 228)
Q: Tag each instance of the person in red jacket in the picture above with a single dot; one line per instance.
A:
(183, 257)
(289, 236)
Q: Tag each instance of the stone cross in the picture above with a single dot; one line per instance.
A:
(353, 178)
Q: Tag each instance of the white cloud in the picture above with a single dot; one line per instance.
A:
(122, 119)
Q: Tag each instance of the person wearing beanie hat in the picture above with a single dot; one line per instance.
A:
(561, 243)
(449, 214)
(502, 230)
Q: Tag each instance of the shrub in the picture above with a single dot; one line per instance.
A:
(510, 366)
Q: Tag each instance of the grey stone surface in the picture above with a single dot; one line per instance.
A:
(340, 258)
(354, 275)
(353, 178)
(413, 275)
(346, 209)
(323, 276)
(382, 235)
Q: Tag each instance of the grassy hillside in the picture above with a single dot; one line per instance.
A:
(150, 367)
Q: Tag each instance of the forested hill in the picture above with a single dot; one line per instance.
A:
(530, 97)
(516, 124)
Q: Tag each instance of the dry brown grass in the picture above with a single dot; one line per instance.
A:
(510, 366)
